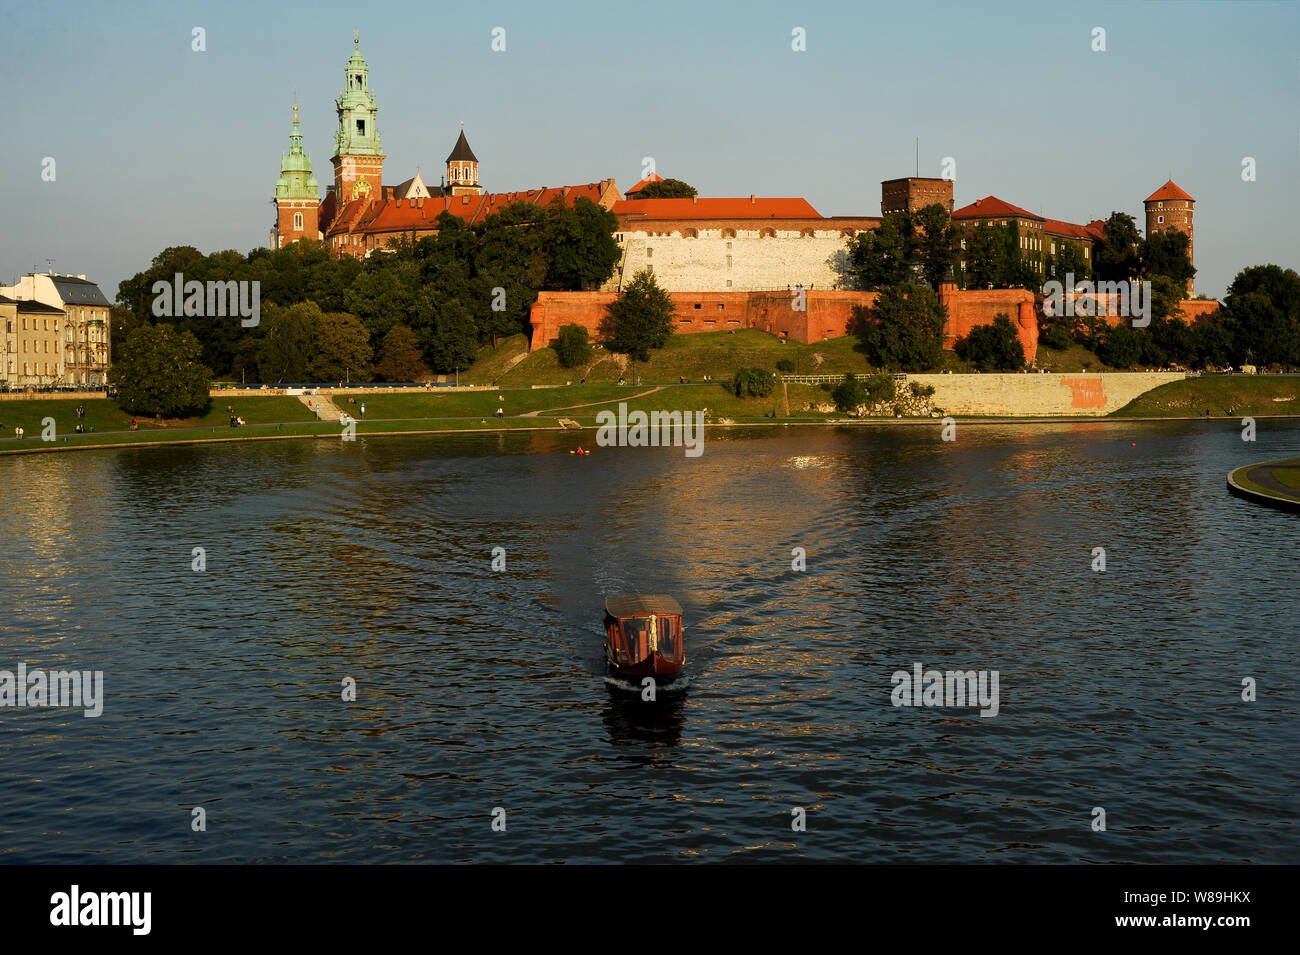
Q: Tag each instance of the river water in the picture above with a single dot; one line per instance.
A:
(478, 689)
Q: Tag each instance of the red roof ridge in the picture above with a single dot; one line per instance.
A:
(991, 207)
(1170, 190)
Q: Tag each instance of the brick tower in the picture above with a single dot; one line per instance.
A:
(358, 152)
(297, 195)
(1169, 207)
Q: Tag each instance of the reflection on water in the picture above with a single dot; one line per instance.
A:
(478, 688)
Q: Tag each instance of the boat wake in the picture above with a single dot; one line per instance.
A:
(679, 683)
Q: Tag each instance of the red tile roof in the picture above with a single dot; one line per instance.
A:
(1169, 190)
(1097, 229)
(991, 207)
(1067, 229)
(402, 215)
(699, 208)
(653, 177)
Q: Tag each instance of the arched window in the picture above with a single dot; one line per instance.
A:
(297, 221)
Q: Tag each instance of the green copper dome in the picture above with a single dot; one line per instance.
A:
(296, 180)
(358, 132)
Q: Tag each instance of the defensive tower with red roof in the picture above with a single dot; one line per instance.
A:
(1169, 207)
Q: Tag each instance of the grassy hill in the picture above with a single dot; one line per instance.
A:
(1244, 394)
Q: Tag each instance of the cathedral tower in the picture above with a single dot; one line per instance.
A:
(358, 153)
(462, 169)
(1169, 207)
(297, 195)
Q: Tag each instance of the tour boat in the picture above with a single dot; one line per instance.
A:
(643, 635)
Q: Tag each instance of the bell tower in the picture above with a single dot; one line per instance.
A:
(1170, 207)
(358, 152)
(297, 194)
(462, 168)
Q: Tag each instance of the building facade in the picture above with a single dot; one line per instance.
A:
(734, 245)
(56, 331)
(914, 193)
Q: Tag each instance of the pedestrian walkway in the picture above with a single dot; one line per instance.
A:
(325, 408)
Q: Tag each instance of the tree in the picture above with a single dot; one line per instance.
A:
(287, 342)
(1167, 253)
(1069, 260)
(937, 244)
(849, 394)
(342, 349)
(904, 330)
(160, 373)
(994, 347)
(756, 382)
(640, 319)
(883, 256)
(1262, 315)
(582, 245)
(983, 255)
(400, 358)
(1117, 256)
(1121, 348)
(455, 338)
(667, 189)
(572, 347)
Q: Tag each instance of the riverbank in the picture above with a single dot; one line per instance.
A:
(1273, 483)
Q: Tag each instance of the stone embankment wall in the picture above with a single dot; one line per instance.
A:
(1040, 395)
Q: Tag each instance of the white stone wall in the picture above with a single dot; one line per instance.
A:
(747, 262)
(1083, 394)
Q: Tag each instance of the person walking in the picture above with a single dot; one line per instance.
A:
(363, 409)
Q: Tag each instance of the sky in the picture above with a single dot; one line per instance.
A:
(156, 144)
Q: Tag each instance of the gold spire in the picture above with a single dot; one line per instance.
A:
(356, 38)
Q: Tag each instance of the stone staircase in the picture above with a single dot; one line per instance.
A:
(326, 409)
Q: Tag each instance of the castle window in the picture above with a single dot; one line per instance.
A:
(728, 261)
(1160, 218)
(361, 127)
(649, 252)
(297, 221)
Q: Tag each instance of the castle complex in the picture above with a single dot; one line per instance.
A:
(715, 254)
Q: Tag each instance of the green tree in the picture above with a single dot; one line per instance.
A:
(455, 338)
(755, 382)
(1069, 260)
(1168, 253)
(1117, 257)
(881, 257)
(994, 347)
(342, 349)
(640, 319)
(572, 347)
(850, 394)
(983, 256)
(400, 358)
(667, 189)
(582, 245)
(161, 373)
(1213, 343)
(1121, 347)
(288, 340)
(1262, 315)
(937, 244)
(785, 365)
(904, 330)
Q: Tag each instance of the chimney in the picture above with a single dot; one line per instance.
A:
(695, 200)
(751, 199)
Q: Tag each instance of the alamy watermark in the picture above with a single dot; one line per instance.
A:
(952, 688)
(81, 689)
(658, 429)
(1098, 299)
(210, 299)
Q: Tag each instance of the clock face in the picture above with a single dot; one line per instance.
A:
(360, 189)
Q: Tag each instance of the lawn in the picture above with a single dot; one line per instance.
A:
(104, 415)
(1242, 394)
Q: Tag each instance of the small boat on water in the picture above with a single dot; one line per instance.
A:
(643, 635)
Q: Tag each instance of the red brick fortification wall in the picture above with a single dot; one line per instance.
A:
(828, 314)
(981, 306)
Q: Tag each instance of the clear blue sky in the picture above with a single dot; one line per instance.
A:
(157, 145)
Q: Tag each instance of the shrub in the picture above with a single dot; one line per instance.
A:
(756, 382)
(849, 393)
(572, 347)
(785, 365)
